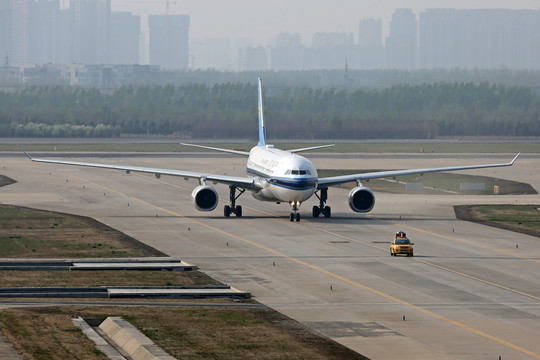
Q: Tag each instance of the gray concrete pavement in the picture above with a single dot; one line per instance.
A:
(468, 293)
(7, 351)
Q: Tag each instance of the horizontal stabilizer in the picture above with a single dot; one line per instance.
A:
(310, 148)
(237, 152)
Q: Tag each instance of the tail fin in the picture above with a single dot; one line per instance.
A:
(262, 131)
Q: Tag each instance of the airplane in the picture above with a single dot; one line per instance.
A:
(275, 175)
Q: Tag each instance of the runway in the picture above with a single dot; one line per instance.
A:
(470, 291)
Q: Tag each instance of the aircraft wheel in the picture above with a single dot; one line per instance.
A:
(291, 217)
(327, 211)
(227, 210)
(238, 211)
(297, 217)
(316, 211)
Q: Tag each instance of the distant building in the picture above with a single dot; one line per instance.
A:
(6, 31)
(402, 43)
(43, 21)
(90, 27)
(213, 53)
(169, 41)
(253, 58)
(288, 53)
(333, 51)
(470, 39)
(20, 32)
(371, 50)
(125, 34)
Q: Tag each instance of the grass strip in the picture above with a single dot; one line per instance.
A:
(519, 218)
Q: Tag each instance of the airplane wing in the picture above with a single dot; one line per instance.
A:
(243, 182)
(337, 180)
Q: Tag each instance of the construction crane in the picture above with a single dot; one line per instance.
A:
(168, 4)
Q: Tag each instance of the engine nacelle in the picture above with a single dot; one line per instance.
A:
(361, 199)
(205, 198)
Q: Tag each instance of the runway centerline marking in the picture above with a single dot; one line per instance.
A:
(326, 272)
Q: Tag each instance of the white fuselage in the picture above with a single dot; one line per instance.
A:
(286, 177)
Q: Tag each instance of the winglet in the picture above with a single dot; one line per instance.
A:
(262, 131)
(515, 158)
(27, 154)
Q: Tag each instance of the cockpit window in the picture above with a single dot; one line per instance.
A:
(298, 172)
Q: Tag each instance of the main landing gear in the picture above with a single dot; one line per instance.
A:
(322, 209)
(233, 208)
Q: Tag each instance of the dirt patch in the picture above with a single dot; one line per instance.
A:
(26, 232)
(524, 219)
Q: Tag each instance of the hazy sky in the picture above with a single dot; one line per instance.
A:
(263, 20)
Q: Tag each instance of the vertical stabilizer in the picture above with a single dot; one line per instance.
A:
(262, 131)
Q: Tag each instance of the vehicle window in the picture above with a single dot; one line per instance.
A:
(295, 172)
(288, 172)
(403, 241)
(302, 172)
(308, 172)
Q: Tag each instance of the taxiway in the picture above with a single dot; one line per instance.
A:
(470, 291)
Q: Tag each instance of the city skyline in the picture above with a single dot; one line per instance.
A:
(263, 21)
(94, 32)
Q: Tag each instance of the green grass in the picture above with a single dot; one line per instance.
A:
(525, 216)
(40, 234)
(519, 218)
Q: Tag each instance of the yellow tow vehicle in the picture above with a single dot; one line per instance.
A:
(401, 245)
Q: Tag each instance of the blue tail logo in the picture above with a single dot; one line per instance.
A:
(262, 131)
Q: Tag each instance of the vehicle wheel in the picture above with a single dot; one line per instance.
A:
(227, 210)
(327, 211)
(316, 211)
(297, 217)
(238, 211)
(291, 217)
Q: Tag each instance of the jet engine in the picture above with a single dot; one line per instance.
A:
(205, 198)
(361, 199)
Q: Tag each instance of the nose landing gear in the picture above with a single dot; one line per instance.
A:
(295, 215)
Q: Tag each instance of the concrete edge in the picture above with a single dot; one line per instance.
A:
(132, 341)
(101, 344)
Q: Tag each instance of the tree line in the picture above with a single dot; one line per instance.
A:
(229, 110)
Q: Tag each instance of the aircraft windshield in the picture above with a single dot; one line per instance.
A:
(298, 172)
